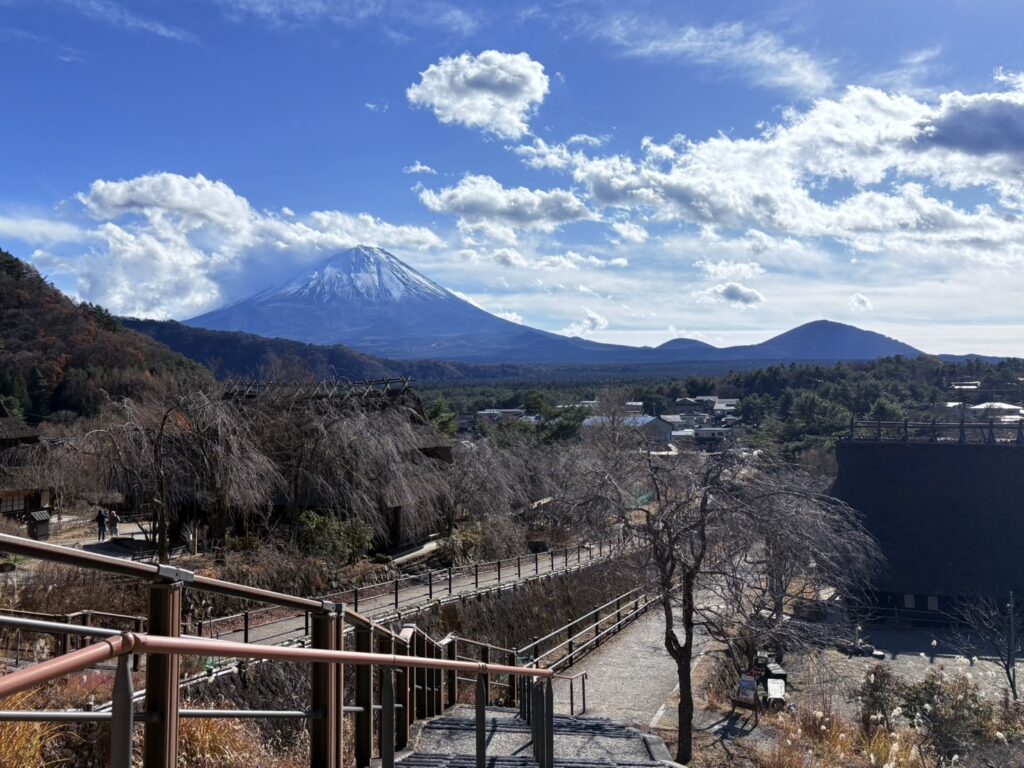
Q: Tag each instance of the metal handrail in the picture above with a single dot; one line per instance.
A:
(122, 716)
(555, 633)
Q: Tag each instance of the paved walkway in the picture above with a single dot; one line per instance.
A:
(415, 593)
(588, 741)
(629, 678)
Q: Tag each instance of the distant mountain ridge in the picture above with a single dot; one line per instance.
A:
(370, 301)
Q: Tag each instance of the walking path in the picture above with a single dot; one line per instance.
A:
(411, 594)
(630, 678)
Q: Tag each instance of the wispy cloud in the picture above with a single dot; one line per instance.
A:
(758, 56)
(118, 16)
(63, 52)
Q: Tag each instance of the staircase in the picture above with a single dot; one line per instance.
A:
(579, 742)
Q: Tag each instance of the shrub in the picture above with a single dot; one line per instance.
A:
(341, 541)
(880, 695)
(949, 711)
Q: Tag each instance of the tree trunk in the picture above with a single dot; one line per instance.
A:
(684, 748)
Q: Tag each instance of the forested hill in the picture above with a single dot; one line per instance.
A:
(56, 355)
(233, 354)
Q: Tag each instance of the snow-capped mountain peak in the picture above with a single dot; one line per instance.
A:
(362, 273)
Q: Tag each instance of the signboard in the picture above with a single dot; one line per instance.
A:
(748, 690)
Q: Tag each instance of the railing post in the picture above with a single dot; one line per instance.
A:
(449, 581)
(339, 685)
(499, 570)
(438, 705)
(245, 627)
(121, 717)
(519, 566)
(364, 699)
(537, 721)
(618, 613)
(579, 553)
(512, 680)
(323, 746)
(355, 600)
(572, 697)
(476, 576)
(552, 560)
(481, 721)
(452, 652)
(485, 657)
(305, 618)
(549, 725)
(430, 585)
(162, 671)
(387, 717)
(396, 594)
(402, 699)
(583, 688)
(597, 627)
(536, 563)
(139, 627)
(420, 676)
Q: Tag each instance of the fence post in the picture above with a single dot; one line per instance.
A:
(355, 600)
(481, 721)
(452, 653)
(430, 585)
(536, 563)
(162, 671)
(364, 699)
(449, 581)
(499, 570)
(387, 717)
(552, 560)
(323, 748)
(572, 697)
(476, 576)
(583, 687)
(245, 626)
(121, 717)
(396, 594)
(519, 566)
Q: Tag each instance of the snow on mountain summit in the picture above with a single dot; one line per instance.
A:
(363, 273)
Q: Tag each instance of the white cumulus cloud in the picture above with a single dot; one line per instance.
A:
(732, 293)
(860, 303)
(494, 91)
(419, 167)
(590, 323)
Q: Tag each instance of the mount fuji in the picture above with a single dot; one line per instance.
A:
(369, 300)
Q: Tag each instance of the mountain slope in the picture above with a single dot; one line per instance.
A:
(56, 355)
(367, 299)
(822, 340)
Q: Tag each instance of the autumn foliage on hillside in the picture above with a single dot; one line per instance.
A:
(56, 355)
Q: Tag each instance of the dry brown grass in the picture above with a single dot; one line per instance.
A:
(816, 739)
(217, 743)
(23, 745)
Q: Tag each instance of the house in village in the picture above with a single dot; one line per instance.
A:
(20, 497)
(656, 430)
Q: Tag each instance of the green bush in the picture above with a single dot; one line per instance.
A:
(341, 541)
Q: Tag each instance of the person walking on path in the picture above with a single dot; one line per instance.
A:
(112, 520)
(101, 525)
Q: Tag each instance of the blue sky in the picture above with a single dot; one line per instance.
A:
(628, 172)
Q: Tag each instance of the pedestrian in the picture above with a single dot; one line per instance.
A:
(101, 525)
(112, 520)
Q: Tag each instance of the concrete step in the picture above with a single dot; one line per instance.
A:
(431, 760)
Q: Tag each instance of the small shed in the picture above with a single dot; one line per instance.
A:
(38, 524)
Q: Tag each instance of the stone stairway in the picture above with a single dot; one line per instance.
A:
(449, 741)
